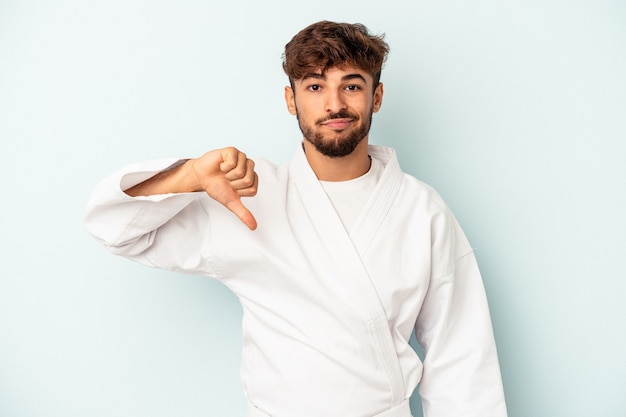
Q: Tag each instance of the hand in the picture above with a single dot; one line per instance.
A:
(226, 175)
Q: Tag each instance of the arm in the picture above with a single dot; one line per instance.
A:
(156, 212)
(224, 174)
(461, 375)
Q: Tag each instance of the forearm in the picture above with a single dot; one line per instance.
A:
(180, 178)
(224, 175)
(116, 219)
(151, 230)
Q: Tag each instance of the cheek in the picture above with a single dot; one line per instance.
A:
(303, 111)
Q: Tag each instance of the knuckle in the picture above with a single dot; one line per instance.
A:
(228, 164)
(238, 171)
(248, 182)
(230, 157)
(248, 192)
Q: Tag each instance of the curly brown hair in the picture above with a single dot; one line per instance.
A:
(324, 45)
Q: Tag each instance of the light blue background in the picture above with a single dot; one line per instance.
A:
(515, 111)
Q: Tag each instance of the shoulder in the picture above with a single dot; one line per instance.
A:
(421, 206)
(412, 190)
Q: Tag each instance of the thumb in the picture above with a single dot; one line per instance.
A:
(237, 207)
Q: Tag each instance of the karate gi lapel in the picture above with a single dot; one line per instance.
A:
(347, 249)
(378, 206)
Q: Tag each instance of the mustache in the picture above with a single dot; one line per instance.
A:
(341, 114)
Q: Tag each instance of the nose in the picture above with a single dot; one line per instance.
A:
(334, 102)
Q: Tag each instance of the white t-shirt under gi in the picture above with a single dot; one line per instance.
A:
(349, 197)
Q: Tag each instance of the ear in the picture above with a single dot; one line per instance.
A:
(378, 97)
(290, 99)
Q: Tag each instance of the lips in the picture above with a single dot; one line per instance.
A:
(337, 124)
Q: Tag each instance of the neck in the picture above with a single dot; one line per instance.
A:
(338, 169)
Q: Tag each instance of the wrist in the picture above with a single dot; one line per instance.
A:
(188, 177)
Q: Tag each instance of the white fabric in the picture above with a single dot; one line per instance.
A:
(401, 410)
(349, 197)
(327, 314)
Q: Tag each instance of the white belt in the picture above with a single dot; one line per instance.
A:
(401, 410)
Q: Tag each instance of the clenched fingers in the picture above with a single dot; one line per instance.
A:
(234, 164)
(247, 185)
(239, 171)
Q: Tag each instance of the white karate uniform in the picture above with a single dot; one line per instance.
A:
(327, 313)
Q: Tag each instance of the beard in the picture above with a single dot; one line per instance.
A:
(339, 145)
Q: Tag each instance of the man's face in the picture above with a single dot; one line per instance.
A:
(334, 109)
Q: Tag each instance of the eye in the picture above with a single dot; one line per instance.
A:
(353, 87)
(314, 87)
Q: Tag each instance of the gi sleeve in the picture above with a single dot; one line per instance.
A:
(461, 374)
(169, 231)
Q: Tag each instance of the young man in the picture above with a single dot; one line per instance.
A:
(336, 258)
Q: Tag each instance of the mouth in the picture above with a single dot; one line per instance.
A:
(337, 124)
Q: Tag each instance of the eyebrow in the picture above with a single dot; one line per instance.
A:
(346, 77)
